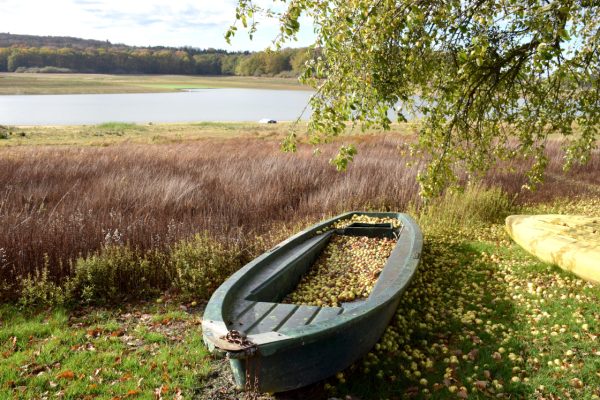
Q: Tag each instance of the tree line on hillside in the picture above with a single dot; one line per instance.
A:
(130, 60)
(9, 39)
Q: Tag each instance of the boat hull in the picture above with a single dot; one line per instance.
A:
(302, 362)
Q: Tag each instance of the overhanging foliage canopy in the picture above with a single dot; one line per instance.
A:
(492, 79)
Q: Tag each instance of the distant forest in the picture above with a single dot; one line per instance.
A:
(27, 53)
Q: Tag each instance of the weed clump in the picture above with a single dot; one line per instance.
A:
(115, 272)
(193, 268)
(38, 290)
(201, 264)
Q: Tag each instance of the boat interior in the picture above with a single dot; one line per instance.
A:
(257, 306)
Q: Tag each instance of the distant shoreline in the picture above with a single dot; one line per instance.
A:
(115, 133)
(75, 83)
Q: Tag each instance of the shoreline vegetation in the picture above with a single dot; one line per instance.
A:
(112, 133)
(115, 235)
(75, 83)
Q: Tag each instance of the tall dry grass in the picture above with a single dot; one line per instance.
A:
(59, 203)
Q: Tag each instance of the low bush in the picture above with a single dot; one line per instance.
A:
(118, 272)
(193, 268)
(201, 264)
(4, 132)
(38, 290)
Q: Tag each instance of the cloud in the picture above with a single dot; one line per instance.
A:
(198, 23)
(173, 12)
(87, 2)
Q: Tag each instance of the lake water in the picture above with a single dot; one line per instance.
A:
(189, 106)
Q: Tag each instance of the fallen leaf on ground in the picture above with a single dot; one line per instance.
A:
(68, 374)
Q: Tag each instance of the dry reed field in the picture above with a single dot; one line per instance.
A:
(61, 203)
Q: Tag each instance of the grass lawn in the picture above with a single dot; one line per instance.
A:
(482, 319)
(17, 83)
(138, 351)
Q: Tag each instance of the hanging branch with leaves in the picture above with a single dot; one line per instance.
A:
(492, 80)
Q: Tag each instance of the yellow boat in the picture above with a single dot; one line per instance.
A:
(570, 241)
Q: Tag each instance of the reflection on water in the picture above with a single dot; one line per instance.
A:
(187, 106)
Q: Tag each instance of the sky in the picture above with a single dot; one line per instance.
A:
(196, 23)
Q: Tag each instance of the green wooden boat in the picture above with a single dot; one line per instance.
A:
(276, 347)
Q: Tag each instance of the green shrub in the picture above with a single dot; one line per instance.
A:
(117, 272)
(38, 290)
(201, 264)
(193, 268)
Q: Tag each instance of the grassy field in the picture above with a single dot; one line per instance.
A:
(112, 133)
(104, 225)
(140, 351)
(17, 83)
